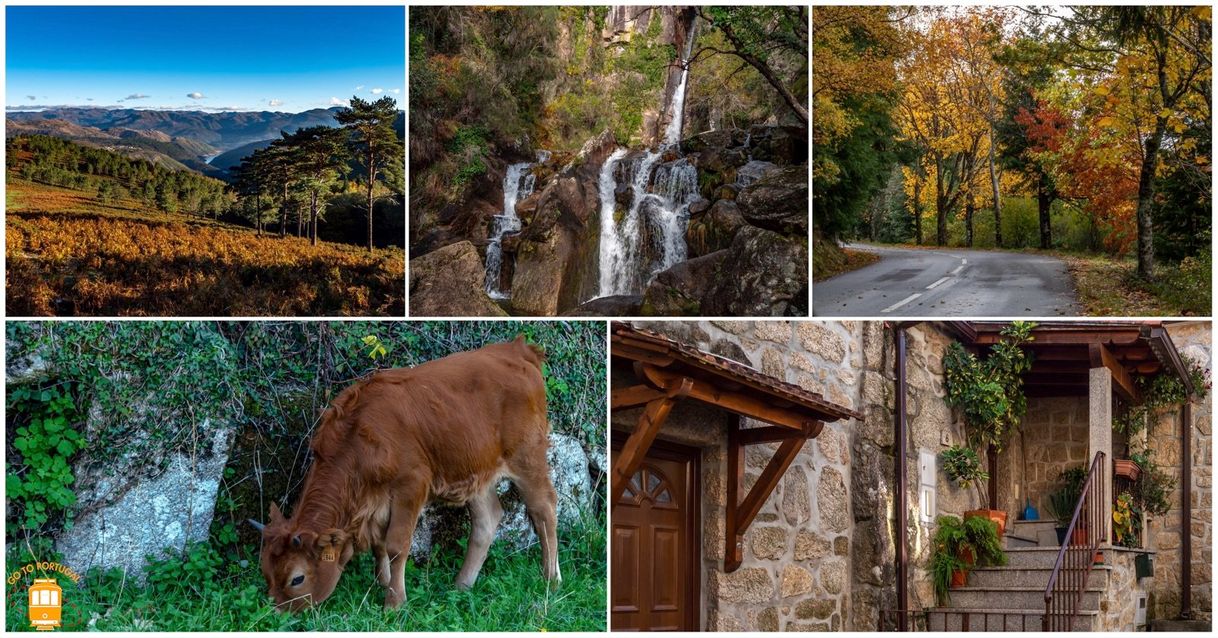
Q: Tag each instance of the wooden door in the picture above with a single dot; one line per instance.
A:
(655, 549)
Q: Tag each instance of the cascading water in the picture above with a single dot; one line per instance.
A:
(517, 184)
(650, 236)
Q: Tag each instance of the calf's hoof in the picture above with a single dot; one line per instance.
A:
(394, 599)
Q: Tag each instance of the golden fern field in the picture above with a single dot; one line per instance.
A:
(68, 254)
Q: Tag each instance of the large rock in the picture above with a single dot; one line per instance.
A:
(779, 144)
(715, 230)
(570, 470)
(556, 258)
(679, 290)
(449, 283)
(778, 201)
(126, 516)
(764, 274)
(611, 306)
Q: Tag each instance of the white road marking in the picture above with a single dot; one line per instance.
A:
(958, 269)
(938, 282)
(902, 302)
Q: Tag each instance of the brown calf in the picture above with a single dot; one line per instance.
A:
(446, 430)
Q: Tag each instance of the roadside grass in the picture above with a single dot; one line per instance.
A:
(830, 260)
(69, 255)
(203, 591)
(1109, 287)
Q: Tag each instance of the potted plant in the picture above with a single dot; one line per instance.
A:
(989, 394)
(1126, 521)
(1063, 501)
(1126, 468)
(958, 546)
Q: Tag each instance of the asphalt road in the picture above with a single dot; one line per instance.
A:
(949, 282)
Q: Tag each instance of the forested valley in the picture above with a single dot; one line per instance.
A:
(311, 222)
(608, 160)
(1082, 131)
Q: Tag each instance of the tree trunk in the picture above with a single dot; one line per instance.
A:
(283, 212)
(997, 195)
(313, 219)
(1146, 194)
(740, 51)
(371, 200)
(1044, 202)
(918, 210)
(969, 208)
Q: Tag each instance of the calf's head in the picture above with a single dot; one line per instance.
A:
(301, 566)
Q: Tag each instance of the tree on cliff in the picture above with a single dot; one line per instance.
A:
(759, 36)
(376, 144)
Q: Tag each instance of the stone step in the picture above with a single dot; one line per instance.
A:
(1013, 598)
(1029, 577)
(1043, 532)
(1014, 542)
(999, 619)
(1032, 557)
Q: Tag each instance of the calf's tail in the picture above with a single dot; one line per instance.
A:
(533, 353)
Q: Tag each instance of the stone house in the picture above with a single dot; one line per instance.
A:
(823, 552)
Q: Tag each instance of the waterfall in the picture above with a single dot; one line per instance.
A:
(649, 237)
(517, 184)
(672, 135)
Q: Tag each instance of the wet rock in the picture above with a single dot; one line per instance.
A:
(778, 201)
(679, 290)
(623, 194)
(715, 230)
(764, 274)
(612, 306)
(449, 282)
(724, 138)
(699, 206)
(779, 144)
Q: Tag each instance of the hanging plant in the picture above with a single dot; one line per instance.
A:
(989, 392)
(1152, 491)
(1160, 394)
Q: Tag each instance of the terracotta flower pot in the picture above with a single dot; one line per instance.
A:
(998, 516)
(967, 556)
(1079, 537)
(1125, 468)
(959, 578)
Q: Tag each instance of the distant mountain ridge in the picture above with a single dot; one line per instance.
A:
(176, 139)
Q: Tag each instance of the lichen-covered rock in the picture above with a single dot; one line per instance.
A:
(680, 289)
(449, 283)
(764, 274)
(570, 470)
(127, 516)
(779, 144)
(714, 230)
(778, 201)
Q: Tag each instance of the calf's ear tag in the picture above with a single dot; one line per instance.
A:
(328, 555)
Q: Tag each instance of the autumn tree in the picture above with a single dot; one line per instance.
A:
(320, 157)
(374, 142)
(762, 36)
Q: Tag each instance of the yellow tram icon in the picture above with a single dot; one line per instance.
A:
(46, 603)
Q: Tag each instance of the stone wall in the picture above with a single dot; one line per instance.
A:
(1163, 534)
(1118, 605)
(795, 573)
(1053, 439)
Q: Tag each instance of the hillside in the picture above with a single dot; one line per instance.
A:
(90, 232)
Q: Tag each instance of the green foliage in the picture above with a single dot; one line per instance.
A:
(40, 480)
(1161, 393)
(956, 542)
(962, 465)
(989, 391)
(1152, 491)
(1069, 489)
(862, 163)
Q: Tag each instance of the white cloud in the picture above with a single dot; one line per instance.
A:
(275, 102)
(32, 97)
(396, 91)
(377, 91)
(196, 96)
(337, 102)
(89, 99)
(136, 96)
(360, 87)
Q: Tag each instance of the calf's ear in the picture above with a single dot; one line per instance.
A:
(276, 515)
(332, 538)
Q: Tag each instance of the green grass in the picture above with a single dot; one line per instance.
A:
(203, 591)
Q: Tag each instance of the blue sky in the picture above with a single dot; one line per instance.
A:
(215, 58)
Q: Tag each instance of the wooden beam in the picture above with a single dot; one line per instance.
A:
(631, 455)
(740, 514)
(633, 396)
(775, 433)
(738, 403)
(1122, 383)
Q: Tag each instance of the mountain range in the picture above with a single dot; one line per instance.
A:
(192, 140)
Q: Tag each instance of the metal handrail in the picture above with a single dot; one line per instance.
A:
(1076, 556)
